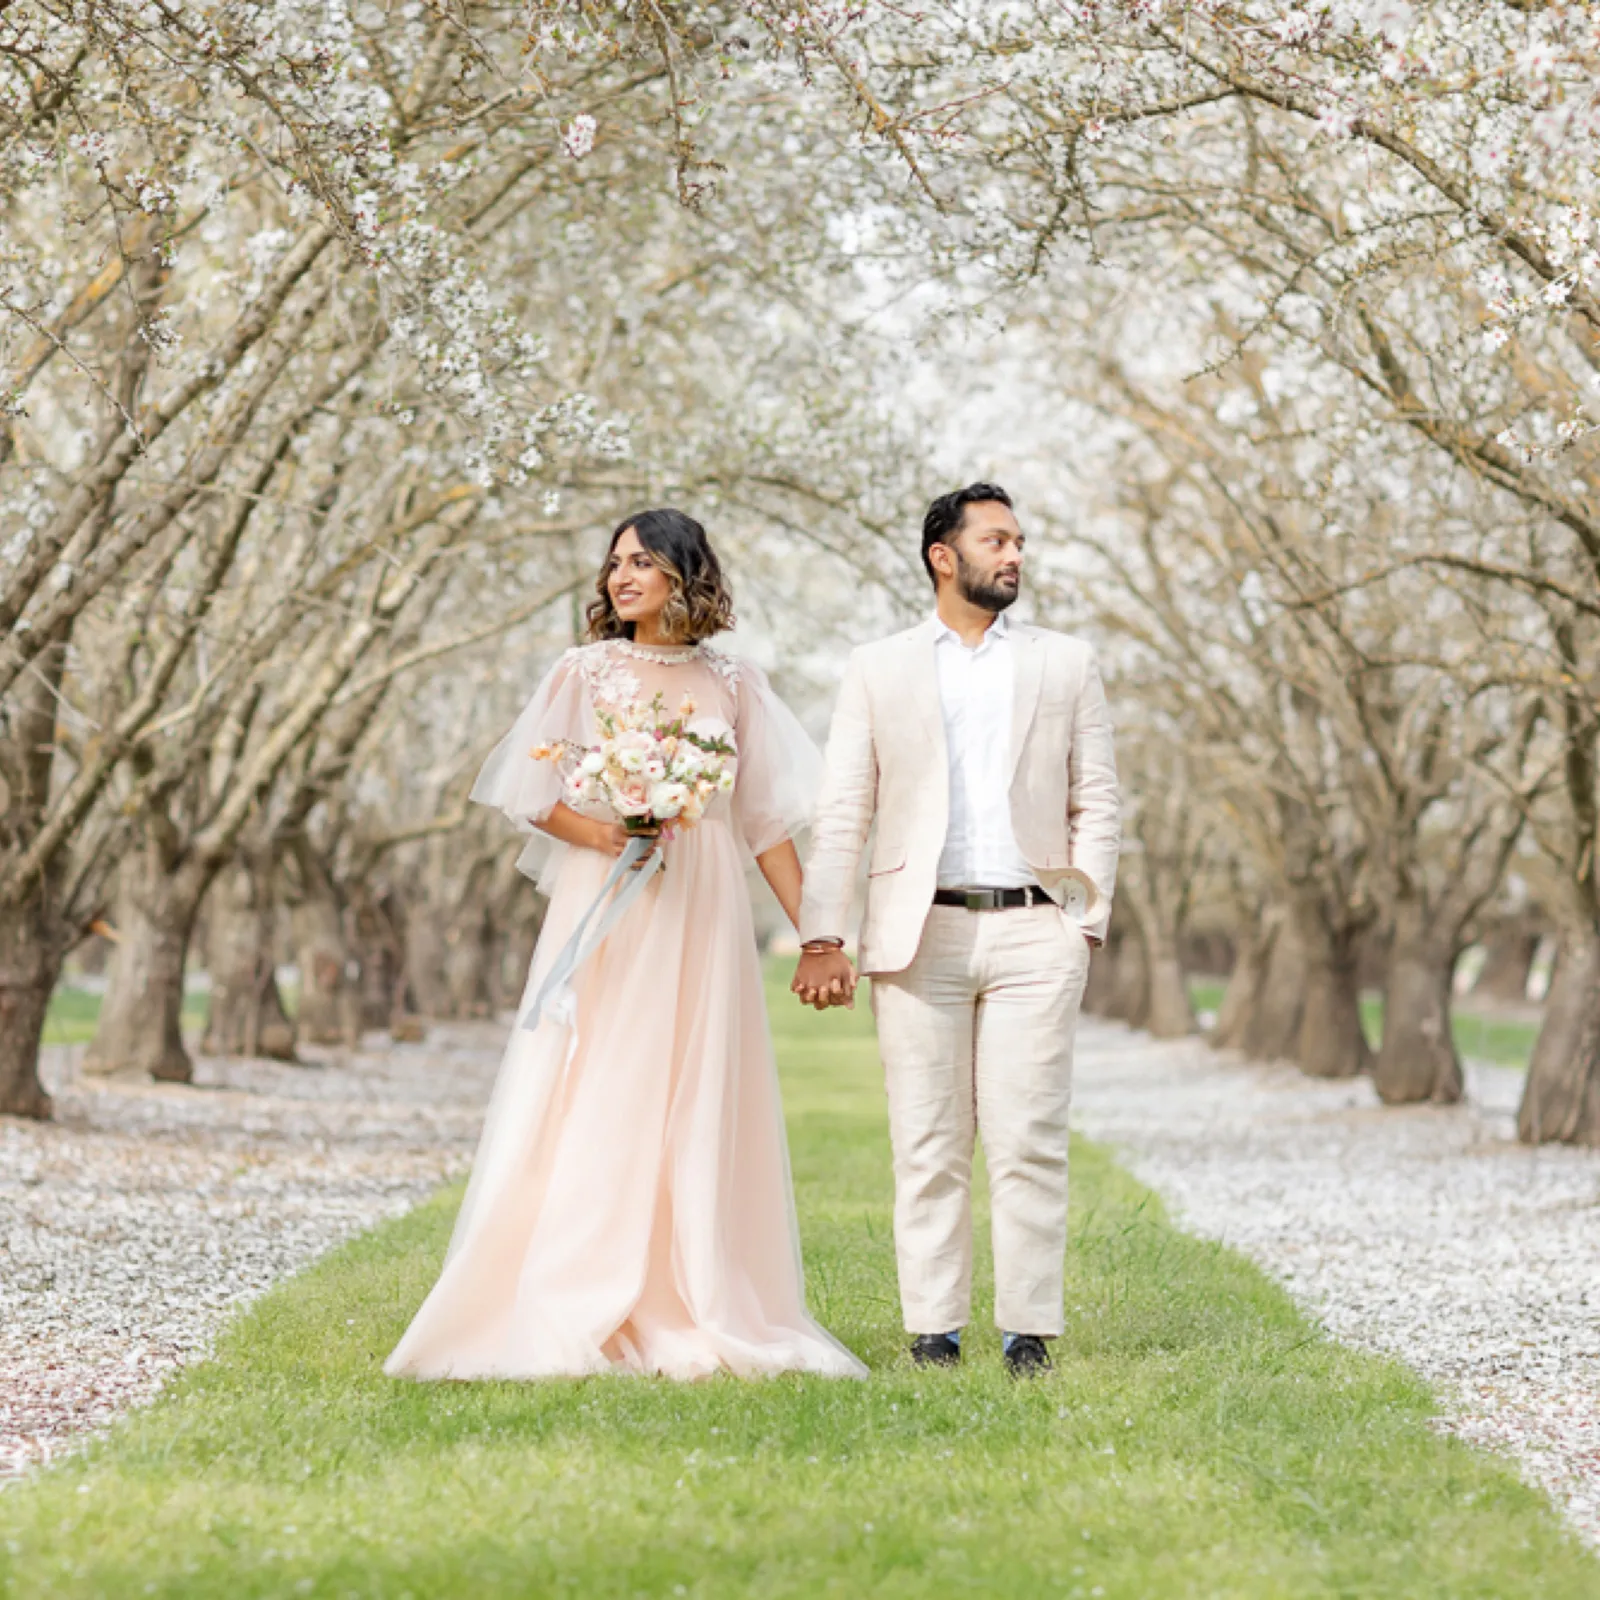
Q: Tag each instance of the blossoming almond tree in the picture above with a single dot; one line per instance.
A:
(301, 383)
(1367, 749)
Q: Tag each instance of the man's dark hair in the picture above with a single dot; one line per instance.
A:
(945, 516)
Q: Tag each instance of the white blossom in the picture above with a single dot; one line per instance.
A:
(578, 139)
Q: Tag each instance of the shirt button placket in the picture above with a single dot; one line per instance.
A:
(969, 735)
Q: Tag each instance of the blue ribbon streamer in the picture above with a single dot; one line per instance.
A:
(555, 998)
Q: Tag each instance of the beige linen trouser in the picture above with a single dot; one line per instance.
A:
(976, 1036)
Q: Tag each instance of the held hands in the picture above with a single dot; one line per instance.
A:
(825, 978)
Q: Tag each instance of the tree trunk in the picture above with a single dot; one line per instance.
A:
(1212, 954)
(449, 961)
(29, 966)
(1370, 953)
(330, 975)
(469, 965)
(1170, 1014)
(1101, 985)
(1561, 1098)
(1161, 1001)
(1243, 993)
(1509, 949)
(1130, 992)
(1331, 1043)
(140, 1026)
(425, 953)
(515, 960)
(1417, 1060)
(380, 946)
(1272, 1028)
(245, 1016)
(32, 936)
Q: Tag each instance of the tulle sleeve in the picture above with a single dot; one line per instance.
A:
(780, 768)
(523, 789)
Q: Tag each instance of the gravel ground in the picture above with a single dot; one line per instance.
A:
(132, 1226)
(1427, 1234)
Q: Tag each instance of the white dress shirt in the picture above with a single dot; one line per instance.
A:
(976, 691)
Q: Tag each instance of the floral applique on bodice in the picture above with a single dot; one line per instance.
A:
(609, 670)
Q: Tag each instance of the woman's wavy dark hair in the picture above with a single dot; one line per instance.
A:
(700, 604)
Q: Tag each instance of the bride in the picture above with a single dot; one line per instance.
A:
(630, 1206)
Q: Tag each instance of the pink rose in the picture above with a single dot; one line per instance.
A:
(633, 798)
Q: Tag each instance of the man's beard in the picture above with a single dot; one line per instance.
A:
(985, 594)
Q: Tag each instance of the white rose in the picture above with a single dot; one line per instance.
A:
(631, 760)
(655, 769)
(668, 799)
(593, 764)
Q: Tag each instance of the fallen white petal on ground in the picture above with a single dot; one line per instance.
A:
(1426, 1233)
(136, 1222)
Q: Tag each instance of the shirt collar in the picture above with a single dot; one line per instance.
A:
(998, 629)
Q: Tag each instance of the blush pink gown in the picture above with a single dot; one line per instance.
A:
(630, 1206)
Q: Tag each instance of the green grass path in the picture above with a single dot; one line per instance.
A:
(1198, 1438)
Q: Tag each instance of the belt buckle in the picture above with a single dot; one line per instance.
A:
(979, 899)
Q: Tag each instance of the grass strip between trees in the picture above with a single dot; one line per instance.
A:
(1198, 1438)
(1506, 1041)
(74, 1015)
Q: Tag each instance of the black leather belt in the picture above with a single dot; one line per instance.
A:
(991, 899)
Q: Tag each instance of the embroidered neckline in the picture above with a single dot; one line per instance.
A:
(612, 682)
(656, 652)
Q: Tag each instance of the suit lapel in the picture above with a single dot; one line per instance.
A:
(923, 672)
(1028, 658)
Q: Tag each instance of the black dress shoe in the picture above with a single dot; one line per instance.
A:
(1027, 1357)
(935, 1350)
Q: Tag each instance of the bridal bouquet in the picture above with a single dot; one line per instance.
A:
(653, 771)
(656, 773)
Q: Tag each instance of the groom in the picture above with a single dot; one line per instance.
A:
(981, 748)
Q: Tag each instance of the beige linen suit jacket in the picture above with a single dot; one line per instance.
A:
(887, 763)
